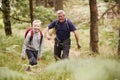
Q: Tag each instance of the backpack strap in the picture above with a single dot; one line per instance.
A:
(27, 31)
(66, 22)
(56, 23)
(32, 33)
(41, 36)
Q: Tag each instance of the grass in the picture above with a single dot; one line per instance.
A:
(6, 74)
(80, 66)
(83, 69)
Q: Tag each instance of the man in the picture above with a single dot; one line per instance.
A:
(63, 27)
(33, 44)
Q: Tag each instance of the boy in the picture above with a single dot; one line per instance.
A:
(33, 44)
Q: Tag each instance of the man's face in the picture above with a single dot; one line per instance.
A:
(61, 17)
(36, 27)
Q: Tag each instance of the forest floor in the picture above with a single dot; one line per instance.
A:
(79, 14)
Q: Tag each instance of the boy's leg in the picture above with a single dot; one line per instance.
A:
(31, 57)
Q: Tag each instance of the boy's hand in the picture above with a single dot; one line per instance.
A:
(23, 57)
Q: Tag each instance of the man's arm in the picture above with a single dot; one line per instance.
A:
(48, 34)
(41, 49)
(77, 38)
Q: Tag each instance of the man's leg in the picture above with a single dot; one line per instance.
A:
(57, 51)
(66, 49)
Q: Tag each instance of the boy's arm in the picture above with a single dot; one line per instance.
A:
(23, 51)
(41, 49)
(25, 44)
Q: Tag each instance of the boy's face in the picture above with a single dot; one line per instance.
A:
(36, 27)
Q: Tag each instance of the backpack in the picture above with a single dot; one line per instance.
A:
(66, 22)
(31, 32)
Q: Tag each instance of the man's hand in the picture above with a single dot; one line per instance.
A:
(38, 58)
(48, 37)
(78, 46)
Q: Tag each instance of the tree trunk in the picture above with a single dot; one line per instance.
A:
(93, 26)
(119, 43)
(6, 17)
(51, 3)
(45, 3)
(31, 10)
(119, 28)
(58, 4)
(38, 2)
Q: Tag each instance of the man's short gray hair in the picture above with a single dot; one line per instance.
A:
(61, 11)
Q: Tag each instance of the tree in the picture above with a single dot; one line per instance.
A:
(31, 10)
(58, 4)
(45, 3)
(6, 17)
(93, 26)
(38, 2)
(118, 2)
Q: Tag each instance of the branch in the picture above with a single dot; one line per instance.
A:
(1, 9)
(19, 19)
(107, 11)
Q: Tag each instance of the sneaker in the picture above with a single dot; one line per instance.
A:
(28, 69)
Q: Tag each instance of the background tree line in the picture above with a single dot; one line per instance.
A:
(12, 11)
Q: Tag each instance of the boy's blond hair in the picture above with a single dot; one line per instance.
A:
(37, 21)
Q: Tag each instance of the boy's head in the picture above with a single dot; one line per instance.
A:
(36, 25)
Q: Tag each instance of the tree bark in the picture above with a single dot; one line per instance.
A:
(119, 27)
(6, 17)
(38, 2)
(119, 43)
(45, 3)
(31, 10)
(58, 4)
(93, 26)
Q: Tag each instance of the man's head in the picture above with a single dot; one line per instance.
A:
(36, 25)
(61, 15)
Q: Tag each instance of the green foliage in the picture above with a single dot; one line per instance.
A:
(116, 24)
(1, 25)
(102, 67)
(117, 1)
(20, 11)
(48, 56)
(82, 69)
(10, 47)
(9, 44)
(21, 26)
(108, 37)
(44, 14)
(6, 74)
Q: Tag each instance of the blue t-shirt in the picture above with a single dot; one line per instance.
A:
(62, 29)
